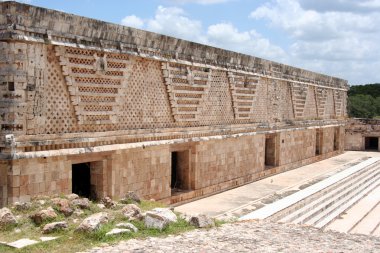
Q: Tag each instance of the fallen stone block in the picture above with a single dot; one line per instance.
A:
(53, 227)
(118, 231)
(43, 216)
(82, 203)
(22, 206)
(93, 222)
(130, 197)
(63, 206)
(201, 221)
(6, 217)
(159, 218)
(128, 226)
(132, 212)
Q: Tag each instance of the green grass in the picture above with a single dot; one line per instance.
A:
(71, 241)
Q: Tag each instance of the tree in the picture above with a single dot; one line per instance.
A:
(362, 106)
(364, 101)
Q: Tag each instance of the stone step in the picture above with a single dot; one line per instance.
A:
(353, 220)
(314, 201)
(369, 223)
(343, 207)
(377, 231)
(337, 194)
(282, 204)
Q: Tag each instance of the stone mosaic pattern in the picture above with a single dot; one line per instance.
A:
(123, 100)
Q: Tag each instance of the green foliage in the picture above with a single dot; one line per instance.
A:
(364, 101)
(367, 89)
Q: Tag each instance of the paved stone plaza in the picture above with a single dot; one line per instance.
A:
(251, 237)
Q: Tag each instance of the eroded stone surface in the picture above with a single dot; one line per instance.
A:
(82, 203)
(130, 197)
(63, 206)
(6, 217)
(159, 218)
(251, 237)
(128, 226)
(132, 212)
(43, 216)
(93, 222)
(201, 221)
(55, 226)
(118, 231)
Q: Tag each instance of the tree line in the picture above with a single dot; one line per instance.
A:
(364, 101)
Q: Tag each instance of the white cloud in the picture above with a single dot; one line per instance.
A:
(132, 21)
(174, 22)
(331, 38)
(227, 36)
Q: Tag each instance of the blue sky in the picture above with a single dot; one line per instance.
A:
(334, 37)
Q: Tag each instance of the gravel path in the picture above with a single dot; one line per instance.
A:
(251, 237)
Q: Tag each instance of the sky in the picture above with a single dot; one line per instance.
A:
(334, 37)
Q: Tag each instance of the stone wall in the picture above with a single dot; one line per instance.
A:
(214, 165)
(359, 132)
(225, 160)
(138, 111)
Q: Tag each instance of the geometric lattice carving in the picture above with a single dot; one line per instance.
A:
(321, 95)
(187, 87)
(97, 82)
(243, 89)
(338, 99)
(330, 105)
(310, 111)
(299, 94)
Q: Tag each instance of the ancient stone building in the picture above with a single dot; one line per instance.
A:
(101, 109)
(363, 134)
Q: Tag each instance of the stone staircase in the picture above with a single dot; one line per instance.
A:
(338, 196)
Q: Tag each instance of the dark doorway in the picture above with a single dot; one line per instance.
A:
(180, 171)
(318, 142)
(81, 179)
(336, 138)
(174, 180)
(371, 143)
(270, 151)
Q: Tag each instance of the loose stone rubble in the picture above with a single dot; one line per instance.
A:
(43, 216)
(251, 237)
(132, 212)
(118, 231)
(201, 221)
(128, 226)
(22, 206)
(108, 203)
(6, 217)
(63, 206)
(159, 218)
(82, 203)
(55, 226)
(130, 197)
(93, 222)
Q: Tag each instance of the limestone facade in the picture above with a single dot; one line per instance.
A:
(88, 104)
(363, 134)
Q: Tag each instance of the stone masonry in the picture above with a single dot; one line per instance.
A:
(363, 134)
(100, 109)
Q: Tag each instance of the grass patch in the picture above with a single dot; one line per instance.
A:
(71, 241)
